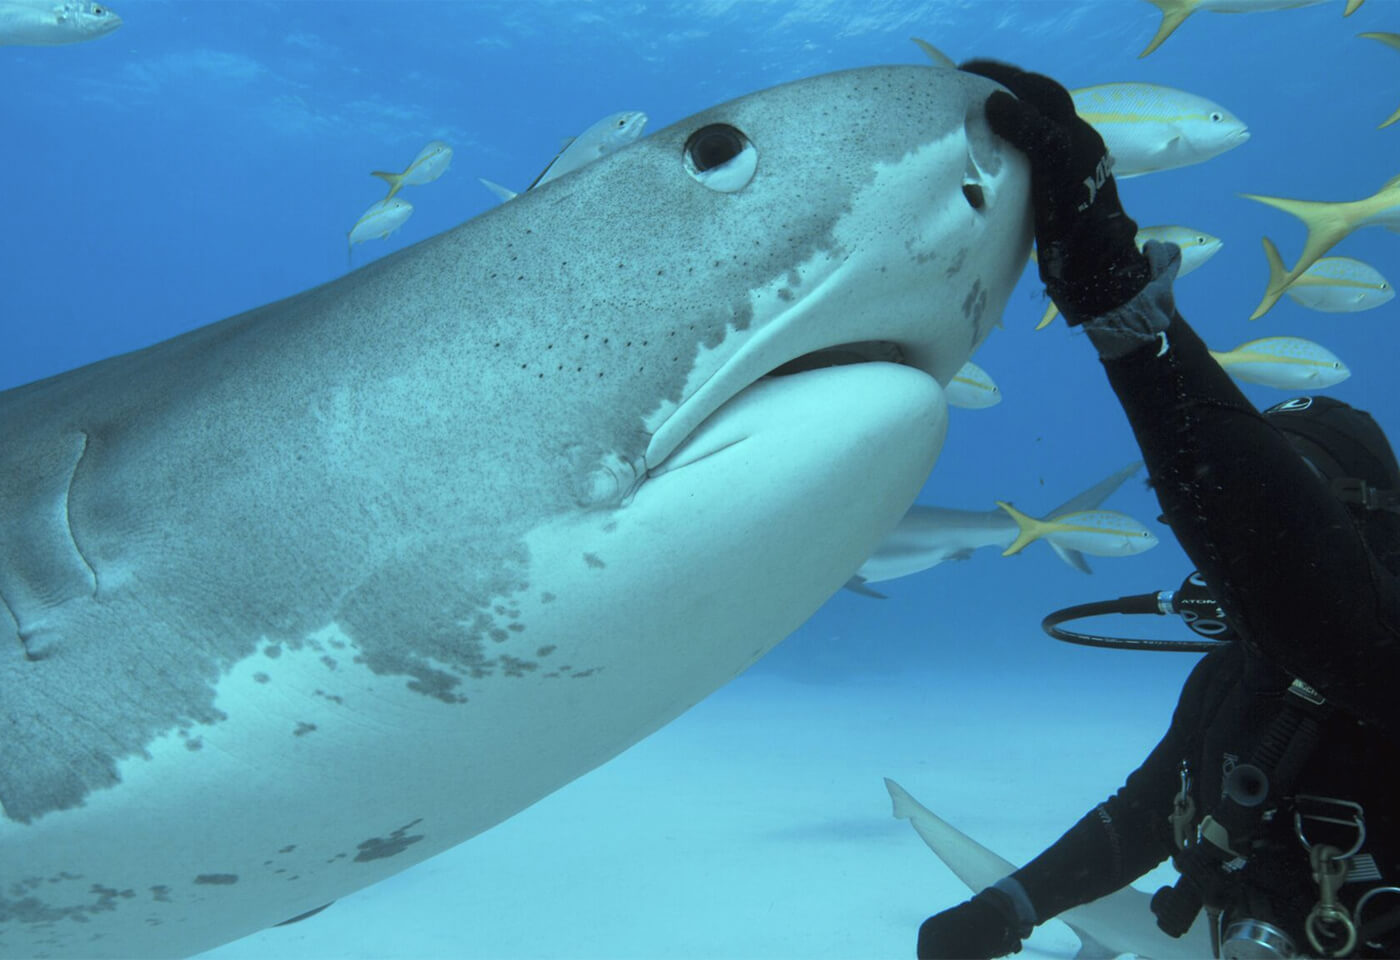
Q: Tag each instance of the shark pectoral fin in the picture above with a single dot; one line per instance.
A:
(857, 585)
(971, 862)
(1072, 557)
(1090, 948)
(503, 194)
(938, 57)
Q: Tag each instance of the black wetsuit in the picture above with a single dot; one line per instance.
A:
(1286, 560)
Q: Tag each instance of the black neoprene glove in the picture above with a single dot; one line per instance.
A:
(1084, 241)
(984, 927)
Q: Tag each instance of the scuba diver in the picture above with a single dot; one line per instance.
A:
(1276, 790)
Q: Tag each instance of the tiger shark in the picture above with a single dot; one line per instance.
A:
(298, 599)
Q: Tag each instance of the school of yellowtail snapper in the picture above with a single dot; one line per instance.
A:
(1148, 128)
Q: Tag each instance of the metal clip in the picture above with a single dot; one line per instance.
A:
(1365, 901)
(1329, 920)
(1183, 810)
(1330, 805)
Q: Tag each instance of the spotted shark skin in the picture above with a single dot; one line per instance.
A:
(298, 599)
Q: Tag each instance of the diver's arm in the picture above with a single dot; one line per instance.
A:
(1282, 554)
(1130, 833)
(1114, 844)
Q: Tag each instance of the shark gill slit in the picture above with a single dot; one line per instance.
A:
(68, 515)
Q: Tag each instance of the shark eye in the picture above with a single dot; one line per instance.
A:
(721, 158)
(974, 196)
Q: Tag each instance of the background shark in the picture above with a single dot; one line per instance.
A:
(1120, 923)
(306, 596)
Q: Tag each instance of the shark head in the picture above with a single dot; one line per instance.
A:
(900, 217)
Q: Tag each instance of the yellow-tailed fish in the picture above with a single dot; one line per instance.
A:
(52, 23)
(1099, 533)
(380, 220)
(608, 135)
(1175, 11)
(972, 389)
(1390, 40)
(1327, 224)
(1197, 247)
(1148, 128)
(1285, 363)
(1332, 284)
(432, 162)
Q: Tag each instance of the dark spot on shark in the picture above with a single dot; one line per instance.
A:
(217, 879)
(330, 662)
(288, 848)
(303, 728)
(547, 597)
(592, 560)
(585, 673)
(332, 697)
(160, 893)
(975, 305)
(194, 743)
(272, 651)
(956, 266)
(378, 848)
(261, 677)
(545, 650)
(515, 667)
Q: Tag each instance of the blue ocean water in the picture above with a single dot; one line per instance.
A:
(210, 157)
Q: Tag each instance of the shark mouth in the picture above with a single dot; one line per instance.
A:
(869, 351)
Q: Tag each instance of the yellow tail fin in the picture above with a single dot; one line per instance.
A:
(1327, 223)
(1278, 273)
(395, 181)
(1173, 13)
(1030, 529)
